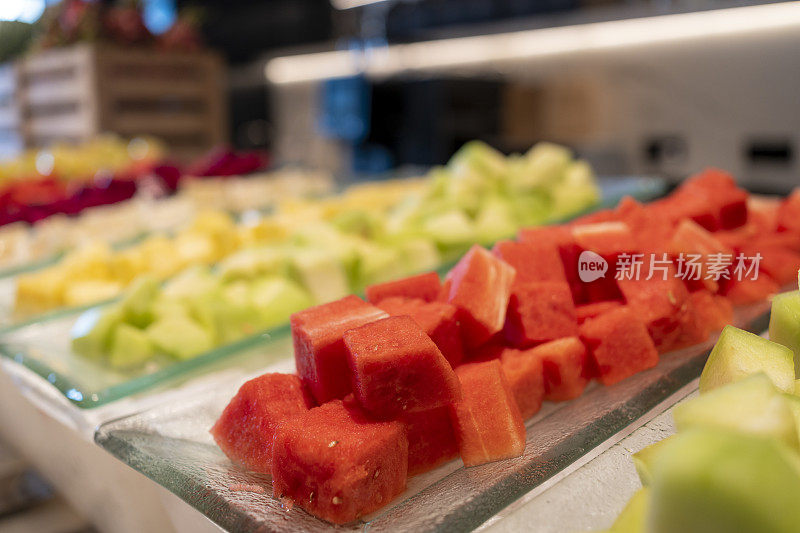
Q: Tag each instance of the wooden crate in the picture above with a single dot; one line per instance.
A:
(11, 142)
(71, 94)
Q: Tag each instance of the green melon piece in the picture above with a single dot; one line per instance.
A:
(480, 158)
(91, 335)
(713, 481)
(797, 387)
(138, 301)
(253, 263)
(739, 353)
(632, 519)
(130, 347)
(643, 460)
(276, 299)
(191, 282)
(751, 405)
(179, 337)
(494, 221)
(450, 229)
(784, 323)
(419, 255)
(321, 273)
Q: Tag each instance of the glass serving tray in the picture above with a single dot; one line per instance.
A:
(172, 446)
(43, 344)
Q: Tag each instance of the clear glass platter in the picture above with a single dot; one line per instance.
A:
(43, 344)
(172, 446)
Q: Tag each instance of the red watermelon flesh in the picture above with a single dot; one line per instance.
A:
(245, 429)
(425, 287)
(566, 368)
(558, 236)
(437, 319)
(780, 263)
(689, 238)
(338, 464)
(525, 375)
(491, 349)
(396, 368)
(748, 290)
(591, 310)
(539, 312)
(607, 239)
(319, 351)
(533, 262)
(712, 311)
(650, 233)
(488, 424)
(480, 289)
(619, 345)
(600, 216)
(789, 213)
(762, 213)
(431, 439)
(784, 239)
(660, 302)
(720, 192)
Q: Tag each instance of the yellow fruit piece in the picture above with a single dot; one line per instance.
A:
(90, 292)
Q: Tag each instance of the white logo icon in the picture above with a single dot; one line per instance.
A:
(591, 266)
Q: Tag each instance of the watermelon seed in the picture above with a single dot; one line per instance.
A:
(311, 497)
(336, 500)
(376, 474)
(333, 443)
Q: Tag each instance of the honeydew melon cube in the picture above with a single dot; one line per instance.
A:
(419, 255)
(784, 323)
(751, 405)
(88, 292)
(714, 481)
(643, 460)
(91, 334)
(164, 306)
(478, 157)
(739, 353)
(138, 301)
(130, 347)
(450, 229)
(190, 283)
(546, 164)
(633, 518)
(377, 263)
(321, 273)
(494, 221)
(531, 208)
(255, 262)
(179, 337)
(277, 298)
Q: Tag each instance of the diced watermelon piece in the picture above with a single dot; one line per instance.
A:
(533, 262)
(788, 216)
(780, 263)
(650, 233)
(591, 310)
(397, 368)
(762, 213)
(619, 345)
(422, 286)
(338, 464)
(785, 239)
(598, 217)
(558, 236)
(488, 424)
(437, 319)
(491, 349)
(566, 368)
(607, 239)
(691, 239)
(749, 290)
(539, 312)
(319, 351)
(691, 331)
(245, 429)
(711, 199)
(525, 375)
(431, 439)
(480, 289)
(659, 302)
(713, 311)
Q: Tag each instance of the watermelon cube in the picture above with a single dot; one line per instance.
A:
(337, 463)
(762, 213)
(650, 233)
(618, 344)
(691, 239)
(491, 349)
(539, 312)
(566, 368)
(713, 311)
(659, 302)
(424, 286)
(780, 263)
(558, 236)
(488, 423)
(598, 217)
(246, 427)
(319, 351)
(480, 286)
(525, 375)
(532, 261)
(789, 213)
(607, 239)
(437, 319)
(396, 368)
(749, 290)
(431, 439)
(591, 310)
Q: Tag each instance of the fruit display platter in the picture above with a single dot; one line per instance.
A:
(44, 344)
(172, 446)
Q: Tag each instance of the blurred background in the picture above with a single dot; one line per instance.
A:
(356, 86)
